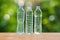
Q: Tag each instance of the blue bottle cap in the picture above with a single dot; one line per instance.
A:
(37, 7)
(20, 7)
(29, 8)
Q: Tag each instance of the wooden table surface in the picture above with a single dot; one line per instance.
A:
(42, 36)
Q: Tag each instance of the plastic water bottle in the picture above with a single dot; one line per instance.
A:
(29, 20)
(37, 20)
(20, 20)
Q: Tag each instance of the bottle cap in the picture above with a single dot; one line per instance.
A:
(37, 7)
(21, 7)
(29, 8)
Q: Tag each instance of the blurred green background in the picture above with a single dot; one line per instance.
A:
(50, 9)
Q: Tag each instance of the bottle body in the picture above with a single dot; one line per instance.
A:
(20, 20)
(37, 20)
(29, 20)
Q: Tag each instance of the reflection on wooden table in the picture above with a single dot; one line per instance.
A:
(43, 36)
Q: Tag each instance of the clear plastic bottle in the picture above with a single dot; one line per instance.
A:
(37, 20)
(20, 20)
(29, 20)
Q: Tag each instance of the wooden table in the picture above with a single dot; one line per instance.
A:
(43, 36)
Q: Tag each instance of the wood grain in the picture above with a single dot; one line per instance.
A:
(43, 36)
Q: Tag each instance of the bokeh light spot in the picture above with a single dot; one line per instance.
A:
(51, 17)
(6, 17)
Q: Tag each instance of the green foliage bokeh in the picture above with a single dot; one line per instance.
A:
(49, 7)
